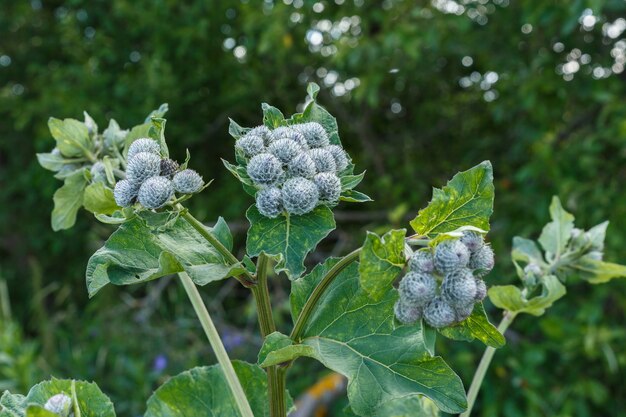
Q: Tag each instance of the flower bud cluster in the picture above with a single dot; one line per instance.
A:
(295, 168)
(151, 179)
(459, 264)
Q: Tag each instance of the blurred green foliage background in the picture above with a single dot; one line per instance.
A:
(421, 90)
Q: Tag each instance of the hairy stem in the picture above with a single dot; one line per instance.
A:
(275, 376)
(310, 304)
(485, 361)
(247, 279)
(216, 344)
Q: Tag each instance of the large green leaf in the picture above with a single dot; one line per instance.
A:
(476, 326)
(290, 237)
(137, 253)
(598, 272)
(99, 199)
(511, 298)
(467, 200)
(279, 348)
(72, 137)
(352, 334)
(91, 401)
(381, 260)
(203, 391)
(52, 161)
(12, 405)
(556, 234)
(67, 201)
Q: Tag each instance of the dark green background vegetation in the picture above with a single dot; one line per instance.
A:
(420, 89)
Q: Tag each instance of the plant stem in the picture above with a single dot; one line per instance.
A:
(248, 279)
(315, 296)
(275, 375)
(485, 361)
(216, 344)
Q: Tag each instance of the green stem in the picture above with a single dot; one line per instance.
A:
(315, 296)
(485, 361)
(216, 344)
(248, 279)
(275, 376)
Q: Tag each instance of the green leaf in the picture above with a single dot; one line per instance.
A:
(91, 401)
(38, 411)
(67, 200)
(99, 199)
(511, 298)
(158, 113)
(52, 162)
(556, 234)
(381, 260)
(411, 406)
(598, 272)
(525, 251)
(352, 196)
(12, 405)
(92, 126)
(113, 135)
(241, 174)
(313, 112)
(291, 237)
(157, 132)
(203, 391)
(272, 117)
(348, 182)
(137, 132)
(467, 200)
(235, 130)
(278, 349)
(351, 334)
(597, 234)
(72, 137)
(136, 253)
(476, 326)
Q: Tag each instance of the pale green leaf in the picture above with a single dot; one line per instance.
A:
(272, 117)
(598, 272)
(91, 401)
(67, 201)
(203, 391)
(157, 132)
(353, 196)
(12, 405)
(467, 200)
(52, 161)
(511, 298)
(160, 112)
(348, 182)
(476, 326)
(38, 411)
(72, 137)
(136, 253)
(381, 260)
(556, 234)
(278, 349)
(235, 130)
(359, 338)
(291, 237)
(524, 252)
(99, 199)
(597, 234)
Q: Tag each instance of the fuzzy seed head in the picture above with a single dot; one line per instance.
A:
(59, 404)
(328, 185)
(473, 240)
(450, 255)
(422, 261)
(143, 145)
(168, 167)
(265, 169)
(406, 313)
(301, 166)
(125, 193)
(269, 201)
(143, 166)
(284, 149)
(288, 132)
(324, 161)
(482, 261)
(459, 287)
(300, 195)
(481, 290)
(418, 288)
(251, 145)
(155, 192)
(187, 181)
(264, 132)
(340, 156)
(463, 312)
(314, 134)
(439, 313)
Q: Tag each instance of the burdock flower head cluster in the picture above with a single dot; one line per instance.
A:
(293, 168)
(459, 264)
(151, 179)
